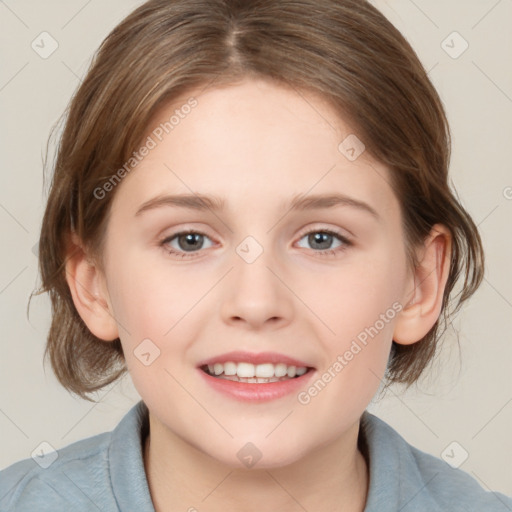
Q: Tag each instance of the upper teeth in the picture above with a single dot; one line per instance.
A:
(259, 370)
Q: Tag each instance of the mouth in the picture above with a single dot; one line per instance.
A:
(255, 373)
(255, 377)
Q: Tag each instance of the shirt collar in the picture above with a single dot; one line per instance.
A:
(395, 479)
(395, 482)
(128, 477)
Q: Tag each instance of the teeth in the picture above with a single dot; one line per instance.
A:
(245, 370)
(251, 373)
(229, 368)
(280, 370)
(264, 370)
(252, 380)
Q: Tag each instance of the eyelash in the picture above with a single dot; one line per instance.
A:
(325, 252)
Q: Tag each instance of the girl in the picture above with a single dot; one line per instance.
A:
(303, 149)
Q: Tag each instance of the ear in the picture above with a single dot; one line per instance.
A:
(90, 296)
(425, 288)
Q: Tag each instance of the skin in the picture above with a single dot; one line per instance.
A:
(256, 144)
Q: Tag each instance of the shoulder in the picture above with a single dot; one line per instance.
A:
(418, 481)
(103, 472)
(453, 487)
(71, 478)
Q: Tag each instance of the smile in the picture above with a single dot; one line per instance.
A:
(251, 373)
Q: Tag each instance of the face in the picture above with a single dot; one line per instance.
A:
(322, 285)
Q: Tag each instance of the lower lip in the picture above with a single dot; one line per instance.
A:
(257, 392)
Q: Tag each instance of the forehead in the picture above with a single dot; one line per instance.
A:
(253, 141)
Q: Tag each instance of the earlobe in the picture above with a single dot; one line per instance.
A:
(89, 293)
(425, 290)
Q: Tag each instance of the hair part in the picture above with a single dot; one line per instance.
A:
(345, 51)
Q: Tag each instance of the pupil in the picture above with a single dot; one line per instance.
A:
(317, 238)
(190, 237)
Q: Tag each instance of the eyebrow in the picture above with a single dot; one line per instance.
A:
(299, 202)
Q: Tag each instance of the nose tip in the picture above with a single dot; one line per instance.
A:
(257, 297)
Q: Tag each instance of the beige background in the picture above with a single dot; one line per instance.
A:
(466, 398)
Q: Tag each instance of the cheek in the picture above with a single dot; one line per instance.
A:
(149, 294)
(359, 304)
(162, 309)
(151, 313)
(354, 295)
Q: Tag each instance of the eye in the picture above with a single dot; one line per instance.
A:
(324, 238)
(187, 240)
(190, 241)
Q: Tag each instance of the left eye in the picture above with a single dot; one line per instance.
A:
(190, 240)
(325, 237)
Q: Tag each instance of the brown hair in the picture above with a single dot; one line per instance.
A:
(344, 50)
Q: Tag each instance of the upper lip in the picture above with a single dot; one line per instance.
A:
(239, 356)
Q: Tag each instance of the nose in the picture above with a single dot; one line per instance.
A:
(257, 293)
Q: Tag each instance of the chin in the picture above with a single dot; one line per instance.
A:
(257, 454)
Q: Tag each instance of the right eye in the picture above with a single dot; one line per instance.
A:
(189, 238)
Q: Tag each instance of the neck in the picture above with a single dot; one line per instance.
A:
(181, 477)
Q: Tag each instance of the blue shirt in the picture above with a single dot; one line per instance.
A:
(105, 472)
